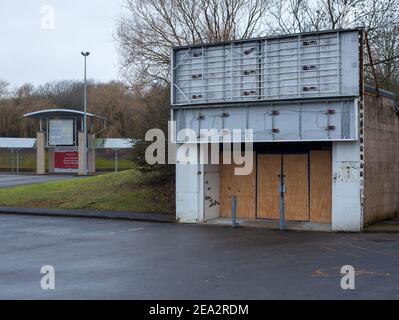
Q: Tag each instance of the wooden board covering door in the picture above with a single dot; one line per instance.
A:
(320, 186)
(296, 198)
(300, 204)
(296, 204)
(243, 186)
(269, 167)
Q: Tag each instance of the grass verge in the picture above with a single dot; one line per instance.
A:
(130, 190)
(27, 162)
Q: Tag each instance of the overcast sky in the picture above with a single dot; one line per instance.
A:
(41, 40)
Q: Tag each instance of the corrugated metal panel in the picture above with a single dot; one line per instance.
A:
(291, 67)
(290, 121)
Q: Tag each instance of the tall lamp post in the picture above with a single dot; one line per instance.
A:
(85, 55)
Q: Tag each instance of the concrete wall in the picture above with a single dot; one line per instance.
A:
(346, 190)
(211, 191)
(81, 141)
(40, 153)
(189, 189)
(381, 159)
(91, 154)
(91, 157)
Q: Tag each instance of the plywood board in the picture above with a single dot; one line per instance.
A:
(269, 167)
(320, 186)
(296, 202)
(244, 187)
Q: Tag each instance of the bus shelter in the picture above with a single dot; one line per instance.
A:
(61, 133)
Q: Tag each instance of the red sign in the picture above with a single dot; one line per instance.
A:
(66, 161)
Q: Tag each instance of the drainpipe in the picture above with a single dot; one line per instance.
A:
(282, 191)
(234, 212)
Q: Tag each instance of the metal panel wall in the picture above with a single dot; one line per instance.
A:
(295, 121)
(292, 67)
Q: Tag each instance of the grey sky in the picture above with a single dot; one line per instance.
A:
(29, 53)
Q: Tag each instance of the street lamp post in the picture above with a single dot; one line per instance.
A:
(85, 55)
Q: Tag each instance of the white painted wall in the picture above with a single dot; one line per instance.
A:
(189, 191)
(346, 203)
(211, 191)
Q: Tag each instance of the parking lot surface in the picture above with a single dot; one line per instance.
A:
(107, 259)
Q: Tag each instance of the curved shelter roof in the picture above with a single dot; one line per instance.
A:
(55, 113)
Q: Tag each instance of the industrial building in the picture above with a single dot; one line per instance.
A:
(333, 139)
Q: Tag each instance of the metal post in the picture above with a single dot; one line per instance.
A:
(85, 55)
(282, 191)
(85, 124)
(234, 212)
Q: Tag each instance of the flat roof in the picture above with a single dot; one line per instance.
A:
(17, 143)
(59, 113)
(271, 37)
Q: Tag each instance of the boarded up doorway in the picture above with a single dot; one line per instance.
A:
(308, 186)
(243, 187)
(308, 180)
(295, 169)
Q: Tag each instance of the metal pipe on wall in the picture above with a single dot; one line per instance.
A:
(234, 212)
(282, 191)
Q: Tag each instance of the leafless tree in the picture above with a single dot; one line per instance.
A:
(288, 16)
(150, 28)
(380, 18)
(385, 51)
(3, 88)
(146, 33)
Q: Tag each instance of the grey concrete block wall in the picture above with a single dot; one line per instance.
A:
(40, 153)
(91, 156)
(381, 159)
(81, 139)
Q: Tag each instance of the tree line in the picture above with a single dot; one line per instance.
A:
(148, 29)
(129, 111)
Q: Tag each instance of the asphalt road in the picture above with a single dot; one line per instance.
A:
(98, 259)
(13, 180)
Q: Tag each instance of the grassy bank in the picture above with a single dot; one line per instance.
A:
(129, 190)
(27, 161)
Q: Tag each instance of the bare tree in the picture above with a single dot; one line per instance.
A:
(385, 51)
(380, 18)
(288, 16)
(3, 88)
(150, 28)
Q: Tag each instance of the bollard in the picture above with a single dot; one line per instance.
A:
(234, 212)
(282, 191)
